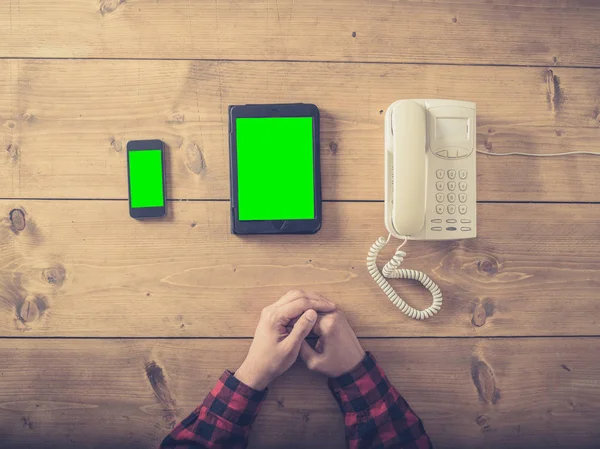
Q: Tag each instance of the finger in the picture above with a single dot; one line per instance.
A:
(302, 328)
(319, 345)
(318, 327)
(294, 309)
(290, 296)
(309, 356)
(327, 322)
(293, 295)
(294, 320)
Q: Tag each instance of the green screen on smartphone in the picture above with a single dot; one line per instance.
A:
(275, 168)
(146, 178)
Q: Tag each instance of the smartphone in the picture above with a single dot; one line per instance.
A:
(146, 173)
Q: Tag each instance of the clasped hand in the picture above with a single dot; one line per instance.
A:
(280, 338)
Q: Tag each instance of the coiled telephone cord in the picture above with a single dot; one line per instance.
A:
(392, 270)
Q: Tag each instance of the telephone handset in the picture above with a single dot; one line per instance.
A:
(430, 189)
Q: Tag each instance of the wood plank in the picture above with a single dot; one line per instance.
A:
(84, 268)
(66, 123)
(96, 393)
(451, 31)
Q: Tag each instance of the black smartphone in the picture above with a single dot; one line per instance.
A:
(146, 173)
(275, 169)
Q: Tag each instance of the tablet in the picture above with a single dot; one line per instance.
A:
(275, 169)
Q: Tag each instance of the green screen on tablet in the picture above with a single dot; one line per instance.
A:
(275, 168)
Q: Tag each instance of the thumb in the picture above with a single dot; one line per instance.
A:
(309, 356)
(302, 328)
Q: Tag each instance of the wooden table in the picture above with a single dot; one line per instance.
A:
(112, 330)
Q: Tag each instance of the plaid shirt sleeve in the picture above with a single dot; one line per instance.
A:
(222, 421)
(375, 414)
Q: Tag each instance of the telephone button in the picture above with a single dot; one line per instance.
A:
(451, 174)
(452, 153)
(451, 220)
(462, 186)
(443, 153)
(439, 197)
(451, 228)
(462, 152)
(436, 220)
(465, 221)
(439, 185)
(462, 174)
(451, 185)
(465, 229)
(439, 174)
(439, 209)
(436, 228)
(452, 197)
(451, 209)
(462, 197)
(462, 209)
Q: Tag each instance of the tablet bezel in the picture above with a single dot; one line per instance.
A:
(274, 226)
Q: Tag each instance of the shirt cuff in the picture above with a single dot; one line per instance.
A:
(234, 401)
(358, 390)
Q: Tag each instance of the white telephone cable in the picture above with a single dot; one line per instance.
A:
(518, 153)
(391, 270)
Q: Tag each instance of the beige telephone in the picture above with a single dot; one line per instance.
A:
(430, 189)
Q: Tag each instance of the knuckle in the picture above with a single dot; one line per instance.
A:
(332, 321)
(337, 317)
(327, 324)
(296, 292)
(312, 364)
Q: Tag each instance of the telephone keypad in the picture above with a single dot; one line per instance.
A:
(446, 199)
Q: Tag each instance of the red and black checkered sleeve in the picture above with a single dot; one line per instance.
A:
(375, 414)
(222, 421)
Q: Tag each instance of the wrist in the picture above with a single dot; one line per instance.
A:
(252, 377)
(352, 364)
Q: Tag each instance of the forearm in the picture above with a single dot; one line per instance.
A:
(375, 414)
(222, 421)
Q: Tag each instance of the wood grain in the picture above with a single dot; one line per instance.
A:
(84, 268)
(169, 70)
(64, 125)
(451, 31)
(476, 393)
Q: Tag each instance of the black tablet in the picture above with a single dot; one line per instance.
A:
(275, 169)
